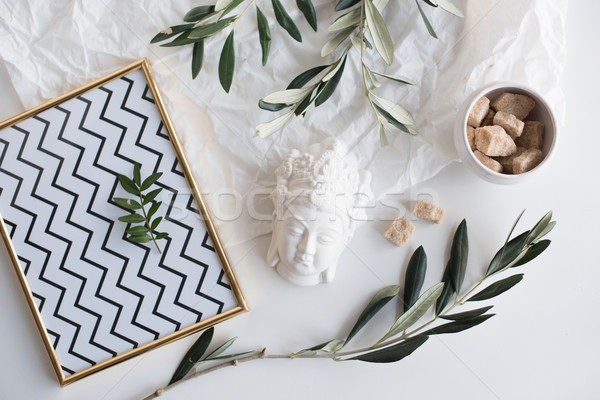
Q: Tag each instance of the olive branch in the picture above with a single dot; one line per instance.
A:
(146, 232)
(361, 19)
(402, 338)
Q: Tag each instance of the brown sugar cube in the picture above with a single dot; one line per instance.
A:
(478, 111)
(488, 161)
(489, 118)
(532, 136)
(399, 231)
(428, 211)
(507, 162)
(510, 123)
(494, 141)
(471, 137)
(527, 161)
(518, 105)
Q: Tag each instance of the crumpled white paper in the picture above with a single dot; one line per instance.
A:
(50, 48)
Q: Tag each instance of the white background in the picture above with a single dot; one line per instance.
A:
(542, 344)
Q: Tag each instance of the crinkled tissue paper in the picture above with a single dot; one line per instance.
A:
(50, 48)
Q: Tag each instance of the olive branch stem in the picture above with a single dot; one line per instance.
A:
(147, 223)
(515, 252)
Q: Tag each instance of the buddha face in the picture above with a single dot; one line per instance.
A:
(308, 241)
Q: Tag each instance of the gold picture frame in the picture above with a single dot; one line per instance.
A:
(19, 218)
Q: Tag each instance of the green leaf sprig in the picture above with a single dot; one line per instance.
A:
(204, 22)
(359, 19)
(398, 342)
(351, 29)
(147, 231)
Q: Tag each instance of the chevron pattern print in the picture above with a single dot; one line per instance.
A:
(99, 295)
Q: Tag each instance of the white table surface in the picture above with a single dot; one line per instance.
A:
(542, 344)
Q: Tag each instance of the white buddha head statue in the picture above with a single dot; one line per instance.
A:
(319, 201)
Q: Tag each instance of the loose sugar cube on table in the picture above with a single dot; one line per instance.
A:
(428, 211)
(478, 111)
(527, 161)
(510, 123)
(532, 136)
(399, 231)
(494, 141)
(518, 105)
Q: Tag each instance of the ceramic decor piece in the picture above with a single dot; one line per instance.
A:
(319, 201)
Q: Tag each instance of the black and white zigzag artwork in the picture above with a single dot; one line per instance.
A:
(99, 295)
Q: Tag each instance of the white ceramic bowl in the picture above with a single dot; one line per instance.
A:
(542, 113)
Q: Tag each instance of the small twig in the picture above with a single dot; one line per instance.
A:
(232, 363)
(147, 223)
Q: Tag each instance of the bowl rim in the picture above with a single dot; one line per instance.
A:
(508, 85)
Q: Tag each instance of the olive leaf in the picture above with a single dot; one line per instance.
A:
(227, 63)
(329, 87)
(197, 13)
(330, 346)
(458, 326)
(540, 229)
(197, 58)
(372, 82)
(401, 79)
(394, 122)
(308, 10)
(392, 353)
(219, 350)
(181, 40)
(414, 277)
(398, 112)
(306, 102)
(288, 95)
(286, 22)
(466, 314)
(272, 106)
(305, 77)
(334, 42)
(264, 35)
(170, 32)
(350, 19)
(535, 250)
(379, 32)
(447, 293)
(383, 136)
(381, 298)
(208, 30)
(230, 7)
(412, 315)
(343, 4)
(497, 288)
(193, 355)
(450, 7)
(266, 129)
(459, 253)
(523, 248)
(425, 20)
(507, 254)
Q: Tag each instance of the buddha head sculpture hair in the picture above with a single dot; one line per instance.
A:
(319, 201)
